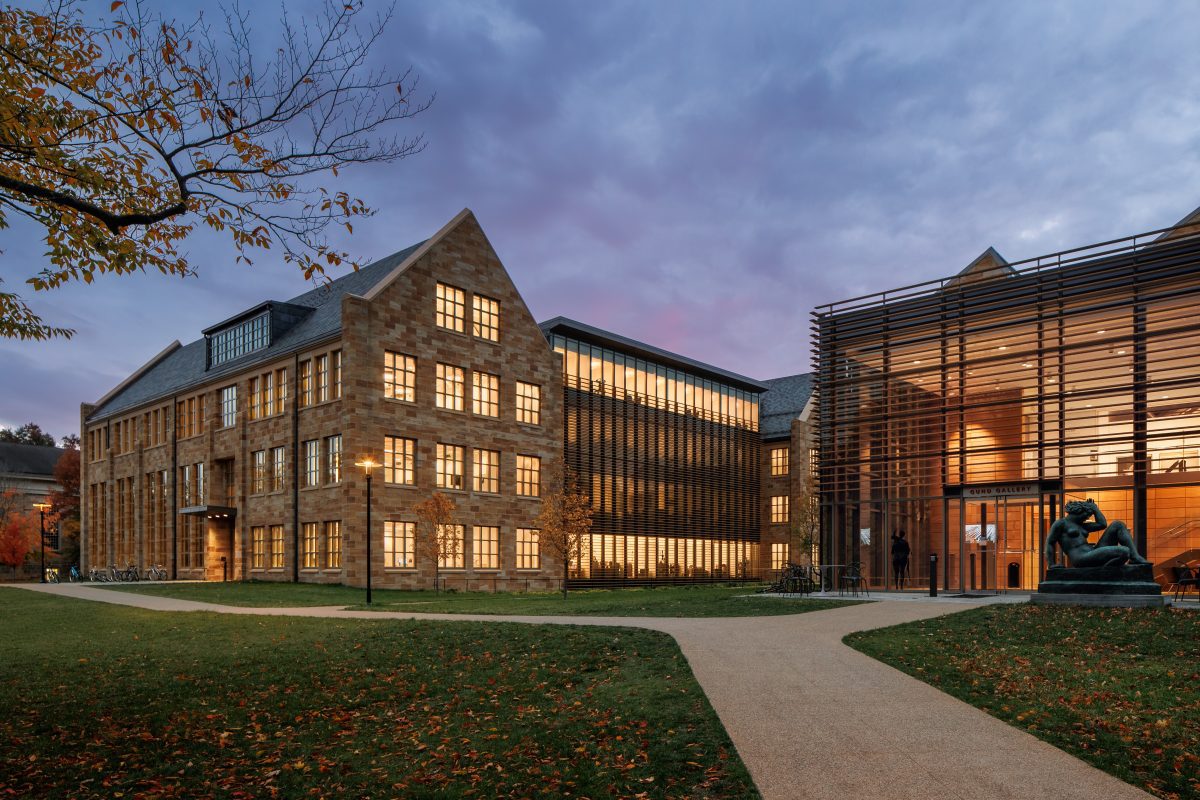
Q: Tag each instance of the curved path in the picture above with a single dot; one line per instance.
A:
(812, 718)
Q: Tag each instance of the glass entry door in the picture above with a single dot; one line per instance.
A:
(998, 543)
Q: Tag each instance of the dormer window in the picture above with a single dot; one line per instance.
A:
(239, 340)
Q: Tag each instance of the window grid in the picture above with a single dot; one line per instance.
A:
(450, 554)
(449, 390)
(778, 555)
(309, 540)
(312, 463)
(306, 387)
(486, 320)
(278, 468)
(235, 342)
(449, 466)
(485, 470)
(333, 459)
(229, 406)
(398, 544)
(451, 307)
(779, 461)
(779, 509)
(333, 544)
(258, 472)
(528, 555)
(337, 374)
(276, 547)
(529, 470)
(258, 547)
(322, 370)
(399, 377)
(485, 397)
(529, 403)
(398, 456)
(485, 547)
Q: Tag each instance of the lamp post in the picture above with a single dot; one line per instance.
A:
(368, 464)
(41, 507)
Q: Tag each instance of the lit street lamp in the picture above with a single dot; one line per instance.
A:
(368, 464)
(41, 507)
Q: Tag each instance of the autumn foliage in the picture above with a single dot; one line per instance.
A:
(564, 521)
(118, 138)
(18, 530)
(436, 536)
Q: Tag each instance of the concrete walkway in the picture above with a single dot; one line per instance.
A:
(812, 718)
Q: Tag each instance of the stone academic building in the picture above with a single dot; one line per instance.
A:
(967, 411)
(234, 456)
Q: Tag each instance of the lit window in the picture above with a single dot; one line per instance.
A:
(322, 369)
(451, 539)
(529, 403)
(280, 390)
(309, 540)
(449, 466)
(312, 463)
(779, 461)
(779, 508)
(528, 555)
(485, 473)
(398, 455)
(529, 470)
(229, 406)
(486, 322)
(278, 468)
(276, 547)
(398, 544)
(449, 391)
(451, 307)
(337, 374)
(399, 377)
(485, 398)
(306, 395)
(333, 544)
(333, 459)
(258, 547)
(778, 555)
(235, 342)
(258, 473)
(485, 547)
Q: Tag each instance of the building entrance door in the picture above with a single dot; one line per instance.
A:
(1000, 543)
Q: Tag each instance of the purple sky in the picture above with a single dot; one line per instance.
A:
(699, 175)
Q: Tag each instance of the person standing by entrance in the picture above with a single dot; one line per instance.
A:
(900, 552)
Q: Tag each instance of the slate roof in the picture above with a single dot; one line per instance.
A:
(781, 403)
(183, 368)
(28, 459)
(603, 338)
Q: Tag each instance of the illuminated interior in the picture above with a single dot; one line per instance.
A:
(984, 406)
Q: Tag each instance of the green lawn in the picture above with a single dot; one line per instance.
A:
(667, 601)
(107, 701)
(1119, 688)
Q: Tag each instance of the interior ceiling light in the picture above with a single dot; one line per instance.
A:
(1027, 365)
(1102, 330)
(1120, 352)
(1002, 347)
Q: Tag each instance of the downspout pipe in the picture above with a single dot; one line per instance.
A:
(295, 398)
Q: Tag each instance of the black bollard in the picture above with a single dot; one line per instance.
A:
(933, 574)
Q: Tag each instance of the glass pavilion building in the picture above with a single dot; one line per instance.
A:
(967, 411)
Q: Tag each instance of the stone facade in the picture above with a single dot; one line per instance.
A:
(791, 485)
(127, 518)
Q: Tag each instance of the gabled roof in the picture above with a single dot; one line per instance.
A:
(988, 266)
(28, 459)
(603, 338)
(784, 401)
(181, 368)
(1188, 226)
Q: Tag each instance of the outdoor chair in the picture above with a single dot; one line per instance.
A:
(1182, 577)
(853, 581)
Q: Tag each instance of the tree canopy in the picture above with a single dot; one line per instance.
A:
(118, 138)
(29, 433)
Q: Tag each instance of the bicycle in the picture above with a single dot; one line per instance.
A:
(51, 575)
(73, 576)
(155, 572)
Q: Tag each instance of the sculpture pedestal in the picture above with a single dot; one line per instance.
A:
(1129, 585)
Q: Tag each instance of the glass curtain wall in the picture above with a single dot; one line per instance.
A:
(966, 413)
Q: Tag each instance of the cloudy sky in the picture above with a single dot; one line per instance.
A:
(700, 175)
